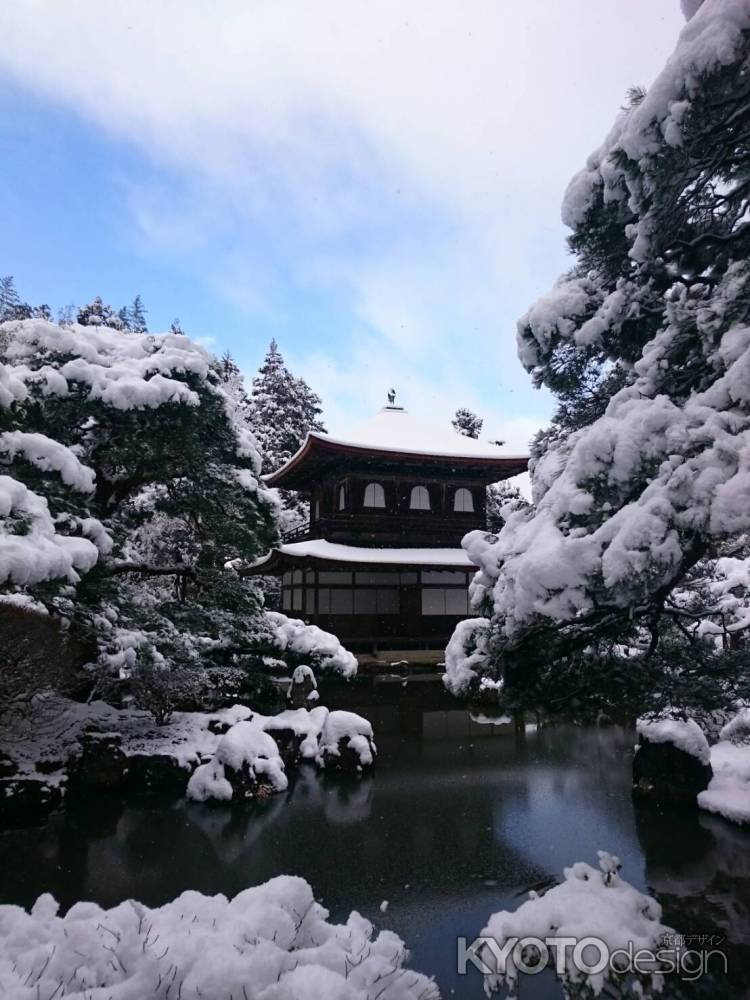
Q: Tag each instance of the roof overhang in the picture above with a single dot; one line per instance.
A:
(319, 452)
(320, 553)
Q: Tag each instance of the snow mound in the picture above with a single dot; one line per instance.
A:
(208, 781)
(728, 793)
(685, 734)
(306, 724)
(273, 938)
(346, 731)
(247, 746)
(589, 902)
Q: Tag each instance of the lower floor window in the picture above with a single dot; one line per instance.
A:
(359, 601)
(445, 601)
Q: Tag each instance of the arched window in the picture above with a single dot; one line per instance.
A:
(420, 498)
(342, 498)
(463, 501)
(374, 495)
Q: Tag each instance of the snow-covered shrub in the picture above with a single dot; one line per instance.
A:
(273, 939)
(737, 730)
(250, 757)
(590, 902)
(295, 640)
(643, 475)
(467, 657)
(346, 742)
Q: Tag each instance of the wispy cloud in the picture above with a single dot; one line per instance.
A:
(406, 161)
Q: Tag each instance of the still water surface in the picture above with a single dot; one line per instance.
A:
(454, 823)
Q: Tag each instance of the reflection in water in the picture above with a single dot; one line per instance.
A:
(454, 823)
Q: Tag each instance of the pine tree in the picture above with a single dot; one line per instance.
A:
(467, 423)
(42, 311)
(66, 315)
(98, 313)
(135, 502)
(9, 300)
(176, 328)
(284, 409)
(124, 317)
(137, 316)
(640, 482)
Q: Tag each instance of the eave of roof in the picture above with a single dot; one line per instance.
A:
(321, 444)
(319, 551)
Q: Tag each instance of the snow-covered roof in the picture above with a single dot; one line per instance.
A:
(319, 548)
(394, 431)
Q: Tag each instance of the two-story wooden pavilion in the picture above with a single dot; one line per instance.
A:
(380, 563)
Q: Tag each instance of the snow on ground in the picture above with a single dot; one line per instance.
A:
(272, 941)
(51, 733)
(685, 734)
(589, 902)
(728, 793)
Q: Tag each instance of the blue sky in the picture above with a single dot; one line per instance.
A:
(375, 185)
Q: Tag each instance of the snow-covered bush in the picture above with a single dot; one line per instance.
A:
(467, 657)
(294, 639)
(346, 742)
(589, 902)
(272, 939)
(248, 756)
(644, 474)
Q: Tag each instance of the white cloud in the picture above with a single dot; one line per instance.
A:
(410, 158)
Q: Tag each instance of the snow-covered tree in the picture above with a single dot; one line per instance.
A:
(502, 500)
(129, 497)
(98, 313)
(641, 483)
(137, 316)
(284, 409)
(11, 306)
(467, 423)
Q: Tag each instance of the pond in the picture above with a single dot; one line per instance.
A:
(456, 821)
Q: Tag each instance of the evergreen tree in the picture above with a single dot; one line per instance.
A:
(98, 313)
(176, 328)
(137, 316)
(66, 315)
(9, 300)
(42, 311)
(131, 499)
(467, 423)
(124, 317)
(641, 481)
(284, 409)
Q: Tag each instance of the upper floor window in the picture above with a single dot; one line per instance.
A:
(463, 501)
(342, 498)
(316, 510)
(420, 498)
(374, 495)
